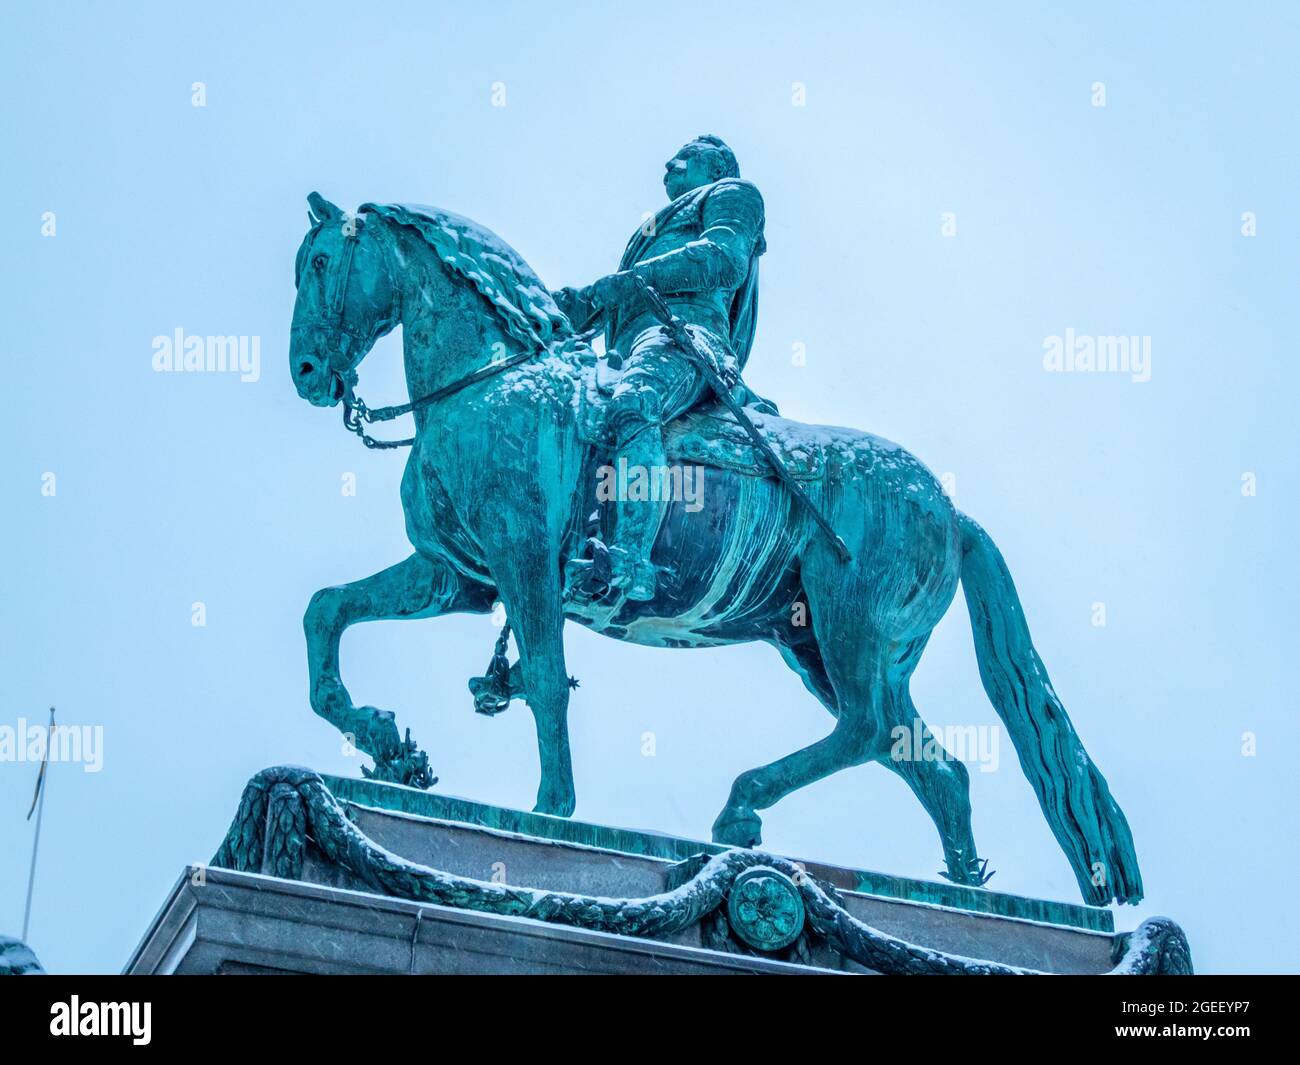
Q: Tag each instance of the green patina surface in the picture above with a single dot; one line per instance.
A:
(676, 848)
(515, 415)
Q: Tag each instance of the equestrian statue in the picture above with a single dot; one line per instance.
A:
(838, 548)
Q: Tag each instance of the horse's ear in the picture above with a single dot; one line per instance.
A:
(321, 209)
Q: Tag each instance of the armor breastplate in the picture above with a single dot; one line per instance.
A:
(709, 310)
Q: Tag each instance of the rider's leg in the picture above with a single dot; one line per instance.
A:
(658, 383)
(637, 425)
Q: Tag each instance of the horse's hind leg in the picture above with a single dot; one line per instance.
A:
(907, 746)
(849, 682)
(739, 824)
(940, 782)
(414, 588)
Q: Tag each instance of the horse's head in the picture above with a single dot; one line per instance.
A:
(347, 300)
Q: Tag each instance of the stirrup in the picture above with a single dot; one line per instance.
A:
(588, 580)
(493, 691)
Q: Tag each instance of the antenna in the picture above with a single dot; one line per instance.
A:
(38, 804)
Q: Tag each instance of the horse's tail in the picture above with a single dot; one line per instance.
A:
(1086, 821)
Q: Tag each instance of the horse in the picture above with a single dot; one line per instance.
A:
(497, 494)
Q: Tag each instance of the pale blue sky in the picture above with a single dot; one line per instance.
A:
(179, 488)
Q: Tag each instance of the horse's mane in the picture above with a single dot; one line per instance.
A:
(494, 268)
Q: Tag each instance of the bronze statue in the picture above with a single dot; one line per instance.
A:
(515, 418)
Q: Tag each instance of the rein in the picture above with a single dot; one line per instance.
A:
(356, 415)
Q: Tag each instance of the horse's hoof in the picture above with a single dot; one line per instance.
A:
(556, 807)
(378, 735)
(975, 873)
(408, 765)
(744, 830)
(411, 774)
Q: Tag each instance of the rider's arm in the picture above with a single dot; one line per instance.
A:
(733, 225)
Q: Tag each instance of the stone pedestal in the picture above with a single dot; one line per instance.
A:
(598, 899)
(247, 923)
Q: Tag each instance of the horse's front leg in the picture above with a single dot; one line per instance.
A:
(415, 588)
(529, 583)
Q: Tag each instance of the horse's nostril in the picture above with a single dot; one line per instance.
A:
(305, 368)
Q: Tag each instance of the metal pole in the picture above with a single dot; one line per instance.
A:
(40, 810)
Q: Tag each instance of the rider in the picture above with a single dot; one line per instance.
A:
(701, 254)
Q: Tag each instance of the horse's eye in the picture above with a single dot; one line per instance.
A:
(319, 262)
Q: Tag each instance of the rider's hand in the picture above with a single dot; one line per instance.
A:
(577, 305)
(567, 299)
(614, 290)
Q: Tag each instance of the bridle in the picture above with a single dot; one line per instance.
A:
(356, 415)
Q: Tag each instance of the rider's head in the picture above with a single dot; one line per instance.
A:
(702, 161)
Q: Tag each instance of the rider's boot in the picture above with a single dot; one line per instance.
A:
(622, 570)
(636, 521)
